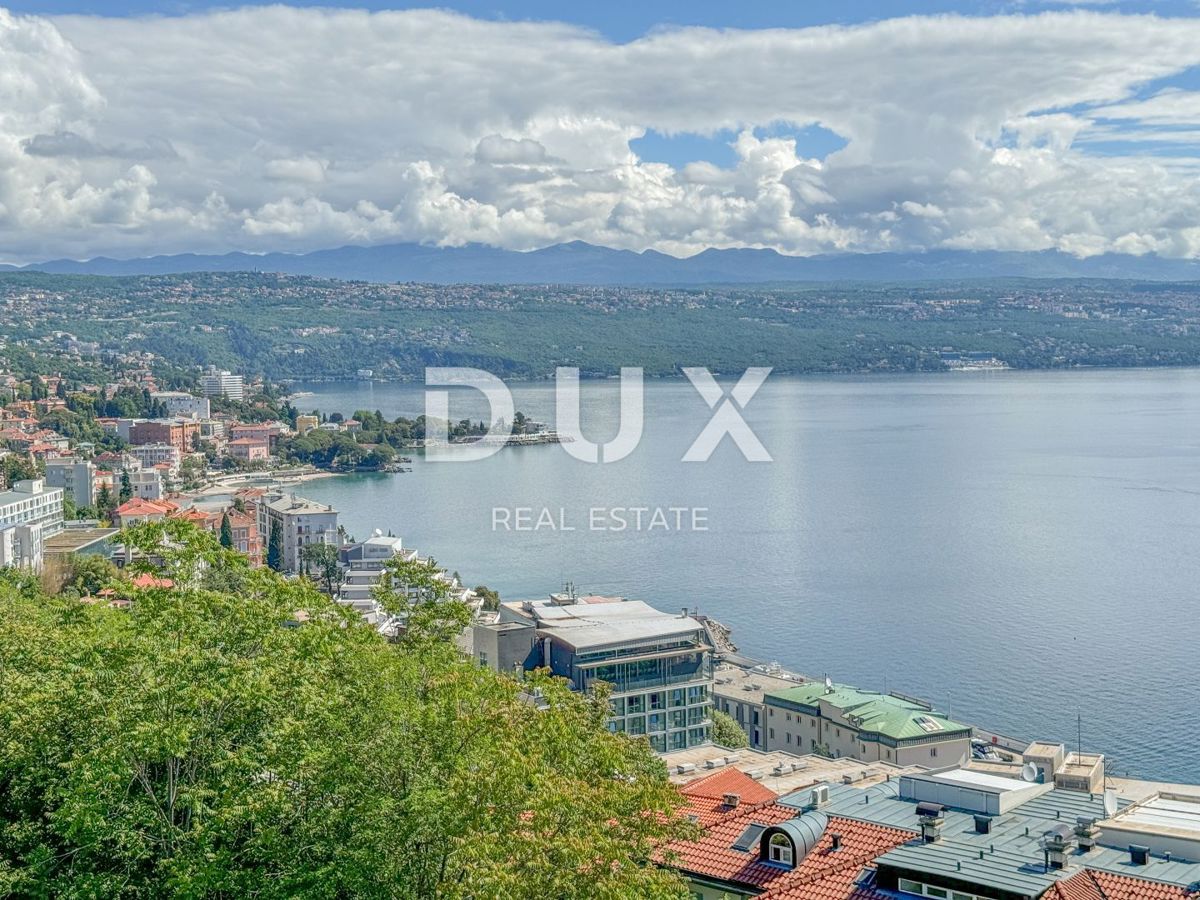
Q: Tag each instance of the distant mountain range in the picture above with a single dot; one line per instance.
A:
(581, 263)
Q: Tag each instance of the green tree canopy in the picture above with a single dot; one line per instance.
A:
(275, 548)
(321, 561)
(727, 732)
(264, 742)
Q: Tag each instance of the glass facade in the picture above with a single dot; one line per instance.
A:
(660, 689)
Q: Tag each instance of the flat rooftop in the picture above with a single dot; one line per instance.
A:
(750, 684)
(979, 779)
(1172, 815)
(592, 626)
(801, 771)
(72, 540)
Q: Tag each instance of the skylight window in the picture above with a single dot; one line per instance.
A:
(749, 837)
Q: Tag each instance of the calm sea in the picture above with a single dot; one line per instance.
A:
(1022, 549)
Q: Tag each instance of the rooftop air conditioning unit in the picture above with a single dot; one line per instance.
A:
(685, 768)
(715, 763)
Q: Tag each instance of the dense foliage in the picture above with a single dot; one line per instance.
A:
(727, 732)
(238, 735)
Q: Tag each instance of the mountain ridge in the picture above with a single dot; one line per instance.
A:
(578, 262)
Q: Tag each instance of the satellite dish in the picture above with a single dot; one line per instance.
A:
(1110, 803)
(1029, 773)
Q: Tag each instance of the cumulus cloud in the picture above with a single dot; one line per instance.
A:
(281, 128)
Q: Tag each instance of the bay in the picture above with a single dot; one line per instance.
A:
(1019, 548)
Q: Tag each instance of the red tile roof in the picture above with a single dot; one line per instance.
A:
(706, 796)
(139, 507)
(729, 781)
(146, 580)
(713, 855)
(1091, 884)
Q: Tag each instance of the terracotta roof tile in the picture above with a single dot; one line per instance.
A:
(713, 855)
(1091, 884)
(729, 781)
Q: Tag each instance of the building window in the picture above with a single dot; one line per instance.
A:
(678, 740)
(679, 718)
(636, 725)
(636, 704)
(678, 697)
(697, 693)
(771, 732)
(656, 722)
(780, 849)
(912, 887)
(656, 700)
(789, 737)
(933, 751)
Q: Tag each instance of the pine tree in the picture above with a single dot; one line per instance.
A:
(104, 503)
(275, 549)
(226, 532)
(126, 487)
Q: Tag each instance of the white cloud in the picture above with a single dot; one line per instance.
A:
(281, 128)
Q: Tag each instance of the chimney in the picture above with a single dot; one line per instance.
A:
(1139, 854)
(836, 840)
(1086, 833)
(733, 801)
(683, 613)
(983, 824)
(1056, 843)
(930, 817)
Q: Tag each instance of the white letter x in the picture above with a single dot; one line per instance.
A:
(726, 419)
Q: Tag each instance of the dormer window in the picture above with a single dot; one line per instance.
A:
(780, 851)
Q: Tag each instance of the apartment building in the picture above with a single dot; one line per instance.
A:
(300, 522)
(660, 666)
(184, 405)
(179, 433)
(363, 566)
(30, 512)
(220, 383)
(842, 721)
(248, 450)
(740, 692)
(150, 455)
(75, 476)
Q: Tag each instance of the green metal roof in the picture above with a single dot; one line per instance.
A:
(872, 711)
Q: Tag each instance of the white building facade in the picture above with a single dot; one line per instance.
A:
(300, 522)
(29, 513)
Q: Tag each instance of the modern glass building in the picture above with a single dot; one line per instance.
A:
(659, 665)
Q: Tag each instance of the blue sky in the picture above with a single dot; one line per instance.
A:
(624, 20)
